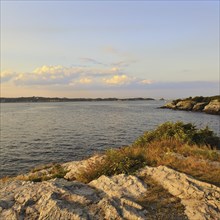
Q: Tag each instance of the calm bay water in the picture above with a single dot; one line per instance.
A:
(40, 133)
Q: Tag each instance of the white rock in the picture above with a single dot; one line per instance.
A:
(201, 200)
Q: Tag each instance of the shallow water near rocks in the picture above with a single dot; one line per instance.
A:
(41, 133)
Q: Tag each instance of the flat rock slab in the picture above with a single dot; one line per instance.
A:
(104, 198)
(201, 200)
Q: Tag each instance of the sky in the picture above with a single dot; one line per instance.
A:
(121, 49)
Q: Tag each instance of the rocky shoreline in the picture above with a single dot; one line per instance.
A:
(172, 172)
(117, 197)
(209, 105)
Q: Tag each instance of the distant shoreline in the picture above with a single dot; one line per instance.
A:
(47, 99)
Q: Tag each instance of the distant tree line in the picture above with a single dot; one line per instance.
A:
(47, 99)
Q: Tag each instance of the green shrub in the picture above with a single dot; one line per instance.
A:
(117, 161)
(198, 99)
(185, 133)
(122, 161)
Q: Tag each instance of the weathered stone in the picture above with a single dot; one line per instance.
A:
(201, 200)
(213, 107)
(199, 106)
(104, 198)
(185, 105)
(170, 105)
(75, 167)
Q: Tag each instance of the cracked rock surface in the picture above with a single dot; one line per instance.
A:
(201, 200)
(115, 197)
(104, 198)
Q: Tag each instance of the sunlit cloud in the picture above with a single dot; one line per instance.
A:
(92, 78)
(85, 80)
(7, 76)
(117, 80)
(75, 76)
(57, 74)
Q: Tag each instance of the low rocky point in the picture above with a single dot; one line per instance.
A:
(209, 105)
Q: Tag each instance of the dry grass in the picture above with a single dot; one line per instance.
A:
(193, 160)
(125, 160)
(196, 162)
(42, 167)
(6, 179)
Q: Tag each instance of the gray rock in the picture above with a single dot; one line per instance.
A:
(104, 198)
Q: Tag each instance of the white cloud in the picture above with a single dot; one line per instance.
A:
(7, 76)
(58, 69)
(85, 80)
(77, 76)
(57, 74)
(117, 80)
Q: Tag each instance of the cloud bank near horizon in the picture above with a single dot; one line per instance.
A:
(102, 81)
(74, 76)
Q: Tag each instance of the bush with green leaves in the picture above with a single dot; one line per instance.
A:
(185, 133)
(116, 161)
(198, 99)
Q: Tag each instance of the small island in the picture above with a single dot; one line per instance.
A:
(209, 105)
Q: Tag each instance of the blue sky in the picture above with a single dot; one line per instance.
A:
(114, 48)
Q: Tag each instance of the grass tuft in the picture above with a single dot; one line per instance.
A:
(54, 171)
(125, 160)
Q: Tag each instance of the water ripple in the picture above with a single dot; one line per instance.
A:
(41, 133)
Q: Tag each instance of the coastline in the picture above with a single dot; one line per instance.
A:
(181, 176)
(55, 99)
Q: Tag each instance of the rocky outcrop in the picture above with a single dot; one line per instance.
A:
(208, 105)
(75, 167)
(213, 107)
(201, 200)
(104, 198)
(199, 106)
(185, 105)
(115, 197)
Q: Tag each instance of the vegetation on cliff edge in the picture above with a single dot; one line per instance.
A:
(176, 145)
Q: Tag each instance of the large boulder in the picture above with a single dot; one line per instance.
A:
(199, 106)
(213, 107)
(169, 105)
(185, 105)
